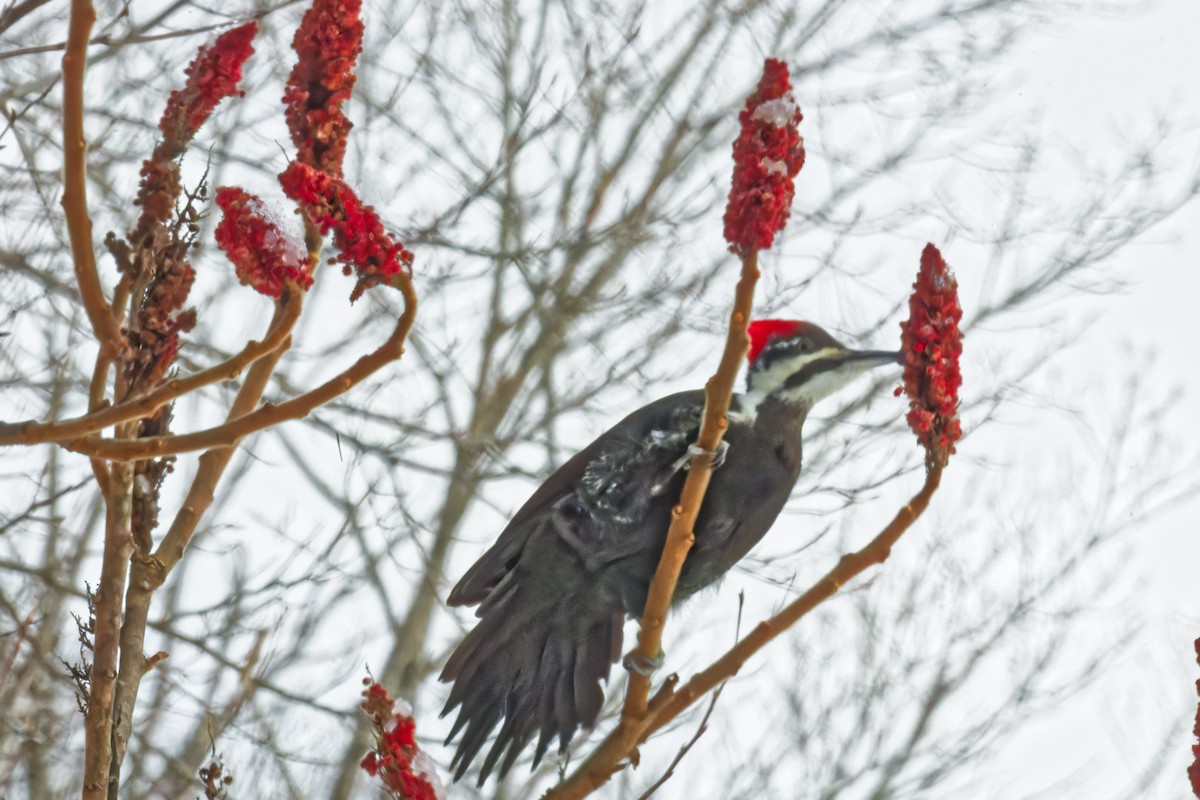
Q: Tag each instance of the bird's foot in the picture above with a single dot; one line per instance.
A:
(715, 457)
(634, 661)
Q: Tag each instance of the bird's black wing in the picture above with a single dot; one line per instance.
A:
(607, 481)
(550, 618)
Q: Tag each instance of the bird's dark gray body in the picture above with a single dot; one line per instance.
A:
(578, 557)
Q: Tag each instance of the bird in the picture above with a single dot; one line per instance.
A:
(554, 590)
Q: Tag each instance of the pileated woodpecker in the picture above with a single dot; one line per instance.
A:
(554, 590)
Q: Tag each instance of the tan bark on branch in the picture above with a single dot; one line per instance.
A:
(118, 548)
(115, 483)
(74, 199)
(848, 567)
(680, 536)
(148, 572)
(636, 713)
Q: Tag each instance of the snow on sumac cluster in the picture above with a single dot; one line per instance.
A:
(767, 155)
(263, 255)
(327, 45)
(403, 768)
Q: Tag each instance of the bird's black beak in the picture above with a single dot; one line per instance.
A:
(874, 358)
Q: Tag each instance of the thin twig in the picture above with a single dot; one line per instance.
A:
(848, 567)
(21, 633)
(34, 431)
(96, 390)
(703, 727)
(688, 745)
(74, 199)
(270, 414)
(680, 536)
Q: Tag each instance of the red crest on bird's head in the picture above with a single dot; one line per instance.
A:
(763, 331)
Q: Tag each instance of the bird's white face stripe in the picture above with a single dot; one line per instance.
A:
(767, 380)
(826, 383)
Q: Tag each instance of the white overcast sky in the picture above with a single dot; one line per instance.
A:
(1090, 79)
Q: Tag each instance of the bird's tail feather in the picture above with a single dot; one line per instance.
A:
(534, 663)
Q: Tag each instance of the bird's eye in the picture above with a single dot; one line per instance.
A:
(803, 346)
